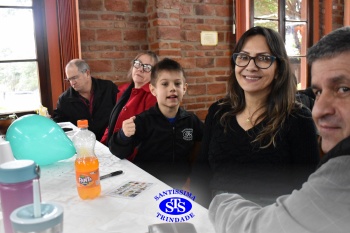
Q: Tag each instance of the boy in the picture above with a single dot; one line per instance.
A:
(166, 136)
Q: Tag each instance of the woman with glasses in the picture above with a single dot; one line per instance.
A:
(135, 97)
(258, 141)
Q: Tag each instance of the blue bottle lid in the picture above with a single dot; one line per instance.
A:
(18, 171)
(51, 219)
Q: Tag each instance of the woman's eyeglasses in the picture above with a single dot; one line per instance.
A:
(261, 61)
(145, 67)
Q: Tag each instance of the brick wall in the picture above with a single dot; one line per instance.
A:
(114, 31)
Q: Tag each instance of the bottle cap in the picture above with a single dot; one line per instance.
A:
(83, 123)
(18, 171)
(51, 219)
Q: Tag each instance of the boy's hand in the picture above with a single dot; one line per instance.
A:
(129, 127)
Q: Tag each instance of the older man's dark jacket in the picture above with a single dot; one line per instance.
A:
(71, 106)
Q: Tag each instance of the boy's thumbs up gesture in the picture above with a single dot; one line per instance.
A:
(129, 126)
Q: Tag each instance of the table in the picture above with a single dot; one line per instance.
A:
(109, 213)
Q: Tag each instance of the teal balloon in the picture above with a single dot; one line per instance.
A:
(39, 138)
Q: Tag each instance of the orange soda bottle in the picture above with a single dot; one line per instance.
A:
(86, 163)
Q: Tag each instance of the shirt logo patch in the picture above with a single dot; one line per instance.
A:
(187, 134)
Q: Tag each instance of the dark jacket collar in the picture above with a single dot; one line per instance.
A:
(341, 149)
(181, 113)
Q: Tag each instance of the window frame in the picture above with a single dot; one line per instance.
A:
(57, 38)
(41, 52)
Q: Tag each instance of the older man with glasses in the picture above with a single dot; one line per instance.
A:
(87, 98)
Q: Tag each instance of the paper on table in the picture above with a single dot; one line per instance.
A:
(130, 189)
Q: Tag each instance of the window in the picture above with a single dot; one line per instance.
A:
(290, 18)
(19, 77)
(54, 27)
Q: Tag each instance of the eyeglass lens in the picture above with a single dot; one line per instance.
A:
(261, 61)
(74, 78)
(71, 79)
(145, 67)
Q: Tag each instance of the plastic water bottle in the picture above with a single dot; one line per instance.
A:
(86, 163)
(16, 187)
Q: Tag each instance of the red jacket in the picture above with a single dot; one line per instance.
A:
(130, 102)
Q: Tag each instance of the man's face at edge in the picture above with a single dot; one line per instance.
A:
(331, 111)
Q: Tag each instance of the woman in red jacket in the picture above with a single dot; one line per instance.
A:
(135, 97)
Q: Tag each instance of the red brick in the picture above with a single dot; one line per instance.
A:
(205, 27)
(166, 22)
(205, 62)
(97, 24)
(204, 79)
(139, 6)
(206, 10)
(87, 35)
(91, 5)
(120, 24)
(188, 63)
(223, 62)
(100, 65)
(138, 18)
(86, 16)
(216, 88)
(217, 72)
(168, 4)
(109, 35)
(222, 78)
(185, 10)
(91, 55)
(195, 73)
(216, 2)
(175, 45)
(135, 35)
(169, 53)
(196, 89)
(168, 33)
(223, 11)
(113, 55)
(122, 65)
(192, 36)
(114, 17)
(117, 5)
(100, 47)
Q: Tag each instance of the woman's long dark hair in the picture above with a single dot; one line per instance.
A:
(281, 100)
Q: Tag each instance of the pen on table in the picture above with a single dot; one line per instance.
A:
(111, 174)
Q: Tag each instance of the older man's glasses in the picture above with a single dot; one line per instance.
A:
(261, 61)
(72, 79)
(145, 67)
(76, 77)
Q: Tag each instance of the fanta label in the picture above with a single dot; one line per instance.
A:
(88, 179)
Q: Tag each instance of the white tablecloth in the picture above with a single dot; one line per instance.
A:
(109, 213)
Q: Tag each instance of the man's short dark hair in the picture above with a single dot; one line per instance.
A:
(332, 44)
